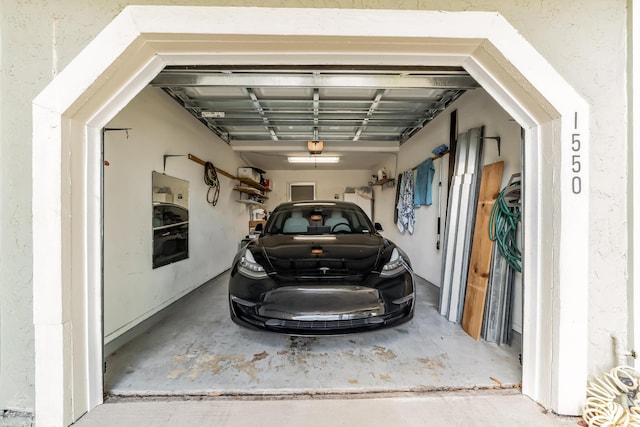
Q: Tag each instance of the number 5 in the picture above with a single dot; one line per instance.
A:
(575, 142)
(575, 161)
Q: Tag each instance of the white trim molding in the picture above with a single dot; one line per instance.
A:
(140, 41)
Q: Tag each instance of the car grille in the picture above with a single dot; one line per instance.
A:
(323, 324)
(321, 267)
(318, 327)
(315, 276)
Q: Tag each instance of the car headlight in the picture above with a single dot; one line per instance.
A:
(247, 266)
(395, 266)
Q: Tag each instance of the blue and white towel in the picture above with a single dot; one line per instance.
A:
(406, 209)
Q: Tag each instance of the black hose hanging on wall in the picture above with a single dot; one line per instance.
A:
(212, 181)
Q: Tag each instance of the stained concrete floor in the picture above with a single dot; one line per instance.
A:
(469, 409)
(197, 350)
(239, 377)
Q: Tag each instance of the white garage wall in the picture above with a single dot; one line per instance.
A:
(475, 108)
(133, 291)
(328, 183)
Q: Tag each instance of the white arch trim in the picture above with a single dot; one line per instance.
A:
(69, 114)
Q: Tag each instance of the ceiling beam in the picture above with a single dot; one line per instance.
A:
(238, 103)
(292, 146)
(187, 79)
(372, 109)
(265, 119)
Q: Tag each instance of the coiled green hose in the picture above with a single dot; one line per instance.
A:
(503, 226)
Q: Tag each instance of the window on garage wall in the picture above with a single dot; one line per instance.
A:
(302, 191)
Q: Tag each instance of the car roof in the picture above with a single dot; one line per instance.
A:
(165, 204)
(328, 203)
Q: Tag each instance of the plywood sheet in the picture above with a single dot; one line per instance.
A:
(480, 263)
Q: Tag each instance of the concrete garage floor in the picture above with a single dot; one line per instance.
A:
(469, 409)
(195, 349)
(238, 377)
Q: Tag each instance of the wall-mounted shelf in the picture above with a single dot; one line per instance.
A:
(250, 191)
(249, 202)
(252, 183)
(383, 181)
(389, 182)
(251, 187)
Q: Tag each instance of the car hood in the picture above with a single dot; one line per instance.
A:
(323, 255)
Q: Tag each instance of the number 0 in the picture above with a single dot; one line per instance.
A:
(576, 185)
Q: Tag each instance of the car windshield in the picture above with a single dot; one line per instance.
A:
(314, 219)
(165, 214)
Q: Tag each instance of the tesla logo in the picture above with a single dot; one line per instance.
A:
(324, 269)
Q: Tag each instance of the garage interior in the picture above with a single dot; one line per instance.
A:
(167, 330)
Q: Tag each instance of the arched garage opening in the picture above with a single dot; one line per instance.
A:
(71, 112)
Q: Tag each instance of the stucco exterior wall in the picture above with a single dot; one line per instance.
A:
(583, 40)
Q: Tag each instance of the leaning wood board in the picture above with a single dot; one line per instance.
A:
(480, 263)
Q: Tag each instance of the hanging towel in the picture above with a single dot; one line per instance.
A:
(424, 180)
(406, 209)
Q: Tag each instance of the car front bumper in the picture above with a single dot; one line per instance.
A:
(325, 308)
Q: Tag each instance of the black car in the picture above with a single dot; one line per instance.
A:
(170, 233)
(320, 268)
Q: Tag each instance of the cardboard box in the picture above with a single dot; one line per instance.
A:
(163, 197)
(252, 226)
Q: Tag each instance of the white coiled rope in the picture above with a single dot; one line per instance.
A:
(614, 399)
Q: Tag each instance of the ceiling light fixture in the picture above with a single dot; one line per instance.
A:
(315, 147)
(313, 159)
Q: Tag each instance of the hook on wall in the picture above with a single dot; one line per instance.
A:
(497, 138)
(164, 160)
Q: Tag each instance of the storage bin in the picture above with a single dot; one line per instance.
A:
(249, 173)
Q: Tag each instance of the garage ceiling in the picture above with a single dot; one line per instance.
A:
(268, 113)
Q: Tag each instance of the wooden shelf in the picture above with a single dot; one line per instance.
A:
(248, 190)
(249, 202)
(252, 188)
(382, 181)
(252, 183)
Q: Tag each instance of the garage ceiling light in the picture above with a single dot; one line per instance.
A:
(315, 147)
(313, 159)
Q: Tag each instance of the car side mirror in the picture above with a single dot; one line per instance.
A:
(377, 226)
(258, 228)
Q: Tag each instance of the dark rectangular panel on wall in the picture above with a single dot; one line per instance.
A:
(301, 192)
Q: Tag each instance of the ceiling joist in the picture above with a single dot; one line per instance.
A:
(272, 106)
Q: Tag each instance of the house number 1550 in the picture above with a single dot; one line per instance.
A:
(576, 159)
